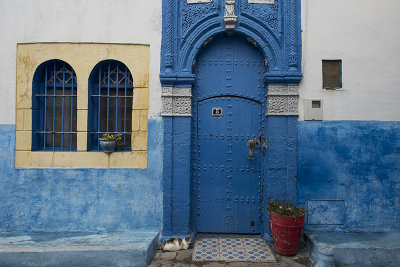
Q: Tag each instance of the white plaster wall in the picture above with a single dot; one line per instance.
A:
(365, 34)
(103, 21)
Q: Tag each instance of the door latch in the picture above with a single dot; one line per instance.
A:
(264, 147)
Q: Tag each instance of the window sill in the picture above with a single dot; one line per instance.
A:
(333, 89)
(78, 160)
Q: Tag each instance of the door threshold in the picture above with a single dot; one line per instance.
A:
(222, 235)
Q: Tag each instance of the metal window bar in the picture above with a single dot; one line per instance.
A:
(126, 71)
(116, 102)
(112, 86)
(72, 112)
(108, 94)
(59, 84)
(62, 108)
(45, 109)
(54, 104)
(55, 95)
(46, 132)
(111, 113)
(100, 132)
(54, 108)
(112, 96)
(98, 112)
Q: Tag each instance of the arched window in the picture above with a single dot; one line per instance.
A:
(54, 107)
(110, 103)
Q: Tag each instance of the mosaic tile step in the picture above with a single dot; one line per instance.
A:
(252, 249)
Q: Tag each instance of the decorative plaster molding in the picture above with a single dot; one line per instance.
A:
(292, 56)
(176, 101)
(282, 100)
(198, 1)
(230, 18)
(274, 27)
(261, 1)
(209, 40)
(251, 41)
(168, 57)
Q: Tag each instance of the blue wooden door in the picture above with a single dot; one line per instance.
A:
(228, 182)
(228, 99)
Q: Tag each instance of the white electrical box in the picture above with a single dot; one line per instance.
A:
(313, 110)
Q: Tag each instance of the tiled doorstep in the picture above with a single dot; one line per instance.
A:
(232, 249)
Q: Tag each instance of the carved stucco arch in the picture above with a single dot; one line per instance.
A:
(268, 45)
(280, 46)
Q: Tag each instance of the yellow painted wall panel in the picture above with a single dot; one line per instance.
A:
(82, 120)
(81, 141)
(136, 159)
(140, 66)
(80, 160)
(99, 160)
(25, 66)
(23, 140)
(82, 96)
(28, 159)
(27, 119)
(144, 120)
(139, 141)
(19, 119)
(140, 98)
(135, 120)
(23, 120)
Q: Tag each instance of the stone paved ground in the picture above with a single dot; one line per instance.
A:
(183, 258)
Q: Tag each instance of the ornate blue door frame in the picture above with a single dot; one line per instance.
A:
(271, 26)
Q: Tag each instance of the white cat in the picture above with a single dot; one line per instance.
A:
(175, 244)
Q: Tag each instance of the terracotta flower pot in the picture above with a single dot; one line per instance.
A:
(286, 233)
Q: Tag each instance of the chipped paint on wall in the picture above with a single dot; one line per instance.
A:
(356, 166)
(80, 200)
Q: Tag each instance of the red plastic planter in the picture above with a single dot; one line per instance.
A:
(286, 233)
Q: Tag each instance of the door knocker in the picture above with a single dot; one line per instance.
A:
(251, 144)
(254, 143)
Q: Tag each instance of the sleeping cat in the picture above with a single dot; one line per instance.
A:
(175, 244)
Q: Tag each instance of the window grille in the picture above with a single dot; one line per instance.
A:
(110, 103)
(54, 107)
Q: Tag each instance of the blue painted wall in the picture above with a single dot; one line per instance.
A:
(280, 164)
(176, 180)
(353, 169)
(69, 200)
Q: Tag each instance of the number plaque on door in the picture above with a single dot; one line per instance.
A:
(217, 112)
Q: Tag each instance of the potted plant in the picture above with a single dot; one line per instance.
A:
(109, 142)
(286, 222)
